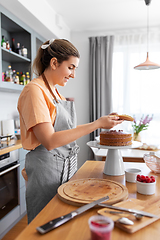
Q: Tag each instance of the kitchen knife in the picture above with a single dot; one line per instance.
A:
(129, 210)
(63, 219)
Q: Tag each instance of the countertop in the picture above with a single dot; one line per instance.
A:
(17, 145)
(78, 228)
(126, 153)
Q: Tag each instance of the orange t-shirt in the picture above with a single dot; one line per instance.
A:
(35, 105)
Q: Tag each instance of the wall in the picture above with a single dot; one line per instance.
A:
(40, 17)
(8, 105)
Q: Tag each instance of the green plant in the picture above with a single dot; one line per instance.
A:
(142, 124)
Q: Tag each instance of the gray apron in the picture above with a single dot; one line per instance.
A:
(47, 170)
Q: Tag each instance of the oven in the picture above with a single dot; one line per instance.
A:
(9, 193)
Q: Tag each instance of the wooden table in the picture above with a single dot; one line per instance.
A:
(77, 229)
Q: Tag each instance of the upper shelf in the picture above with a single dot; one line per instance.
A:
(10, 56)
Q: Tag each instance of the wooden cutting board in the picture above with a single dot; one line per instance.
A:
(152, 206)
(83, 191)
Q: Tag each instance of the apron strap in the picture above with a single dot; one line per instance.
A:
(49, 88)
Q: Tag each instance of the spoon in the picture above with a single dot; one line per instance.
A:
(137, 215)
(125, 221)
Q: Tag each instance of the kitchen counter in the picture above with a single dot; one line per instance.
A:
(128, 155)
(78, 227)
(17, 145)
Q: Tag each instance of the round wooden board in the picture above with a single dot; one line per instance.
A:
(83, 191)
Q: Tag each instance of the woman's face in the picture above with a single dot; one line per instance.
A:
(64, 71)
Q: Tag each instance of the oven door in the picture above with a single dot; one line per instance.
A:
(8, 188)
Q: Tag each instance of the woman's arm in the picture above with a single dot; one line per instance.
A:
(50, 139)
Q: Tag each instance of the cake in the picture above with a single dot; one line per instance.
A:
(115, 138)
(124, 117)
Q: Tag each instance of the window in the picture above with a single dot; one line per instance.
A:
(136, 92)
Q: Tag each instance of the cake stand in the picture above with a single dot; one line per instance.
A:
(114, 165)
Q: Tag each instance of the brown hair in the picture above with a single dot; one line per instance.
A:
(60, 48)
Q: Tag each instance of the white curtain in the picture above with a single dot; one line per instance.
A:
(136, 92)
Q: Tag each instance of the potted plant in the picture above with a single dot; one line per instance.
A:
(141, 125)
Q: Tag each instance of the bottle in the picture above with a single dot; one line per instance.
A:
(17, 78)
(14, 75)
(13, 45)
(24, 78)
(27, 78)
(20, 79)
(18, 49)
(3, 42)
(24, 51)
(3, 74)
(7, 45)
(9, 74)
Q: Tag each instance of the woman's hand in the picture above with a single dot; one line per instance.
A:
(109, 121)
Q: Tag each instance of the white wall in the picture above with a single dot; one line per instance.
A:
(8, 105)
(39, 17)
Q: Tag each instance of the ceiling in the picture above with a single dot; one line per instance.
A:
(91, 15)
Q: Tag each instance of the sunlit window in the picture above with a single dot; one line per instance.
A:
(137, 92)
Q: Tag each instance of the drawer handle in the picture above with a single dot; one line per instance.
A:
(9, 169)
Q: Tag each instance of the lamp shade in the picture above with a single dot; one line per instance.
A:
(147, 65)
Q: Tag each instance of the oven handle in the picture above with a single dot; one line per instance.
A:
(9, 169)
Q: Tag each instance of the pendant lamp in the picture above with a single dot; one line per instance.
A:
(147, 65)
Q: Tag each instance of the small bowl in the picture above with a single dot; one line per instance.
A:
(152, 161)
(146, 188)
(131, 174)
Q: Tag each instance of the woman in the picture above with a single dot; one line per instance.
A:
(48, 124)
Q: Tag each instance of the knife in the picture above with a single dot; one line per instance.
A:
(129, 210)
(63, 219)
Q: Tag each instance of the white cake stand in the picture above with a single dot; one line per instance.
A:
(114, 165)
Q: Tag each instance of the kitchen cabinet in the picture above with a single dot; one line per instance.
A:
(19, 211)
(12, 27)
